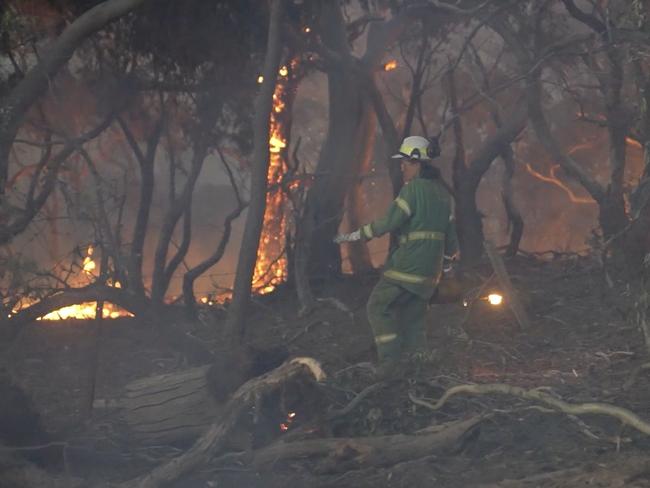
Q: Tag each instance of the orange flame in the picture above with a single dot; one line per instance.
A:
(554, 180)
(390, 65)
(271, 265)
(81, 311)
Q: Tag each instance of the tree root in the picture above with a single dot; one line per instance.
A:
(625, 416)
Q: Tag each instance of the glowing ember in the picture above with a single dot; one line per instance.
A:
(634, 142)
(284, 426)
(88, 264)
(495, 299)
(390, 65)
(260, 79)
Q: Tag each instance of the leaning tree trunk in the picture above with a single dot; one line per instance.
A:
(14, 107)
(235, 325)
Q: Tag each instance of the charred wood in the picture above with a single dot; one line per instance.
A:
(345, 454)
(214, 439)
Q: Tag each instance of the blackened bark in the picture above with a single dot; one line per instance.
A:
(358, 252)
(235, 325)
(163, 271)
(467, 177)
(515, 220)
(147, 180)
(215, 257)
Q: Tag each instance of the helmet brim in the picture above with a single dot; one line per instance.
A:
(400, 155)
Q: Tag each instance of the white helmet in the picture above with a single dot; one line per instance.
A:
(418, 148)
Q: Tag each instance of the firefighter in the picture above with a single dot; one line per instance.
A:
(421, 217)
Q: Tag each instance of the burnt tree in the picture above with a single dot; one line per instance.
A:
(15, 105)
(352, 98)
(235, 326)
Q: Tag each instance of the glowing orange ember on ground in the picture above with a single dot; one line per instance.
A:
(284, 426)
(81, 311)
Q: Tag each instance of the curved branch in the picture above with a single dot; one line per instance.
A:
(543, 131)
(50, 171)
(589, 20)
(35, 82)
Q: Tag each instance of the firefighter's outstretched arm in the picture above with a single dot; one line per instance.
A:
(398, 213)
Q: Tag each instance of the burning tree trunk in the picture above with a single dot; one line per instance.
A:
(271, 267)
(260, 165)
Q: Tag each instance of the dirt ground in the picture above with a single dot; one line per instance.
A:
(582, 345)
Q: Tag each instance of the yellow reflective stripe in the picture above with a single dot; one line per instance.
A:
(422, 235)
(384, 338)
(408, 277)
(403, 204)
(367, 231)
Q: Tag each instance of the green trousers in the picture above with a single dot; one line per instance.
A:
(397, 320)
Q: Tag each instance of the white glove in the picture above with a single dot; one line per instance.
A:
(351, 237)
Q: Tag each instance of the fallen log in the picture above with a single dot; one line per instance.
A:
(345, 454)
(175, 408)
(170, 408)
(214, 439)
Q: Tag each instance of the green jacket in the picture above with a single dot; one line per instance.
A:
(421, 216)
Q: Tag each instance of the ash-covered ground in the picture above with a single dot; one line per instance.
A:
(582, 346)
